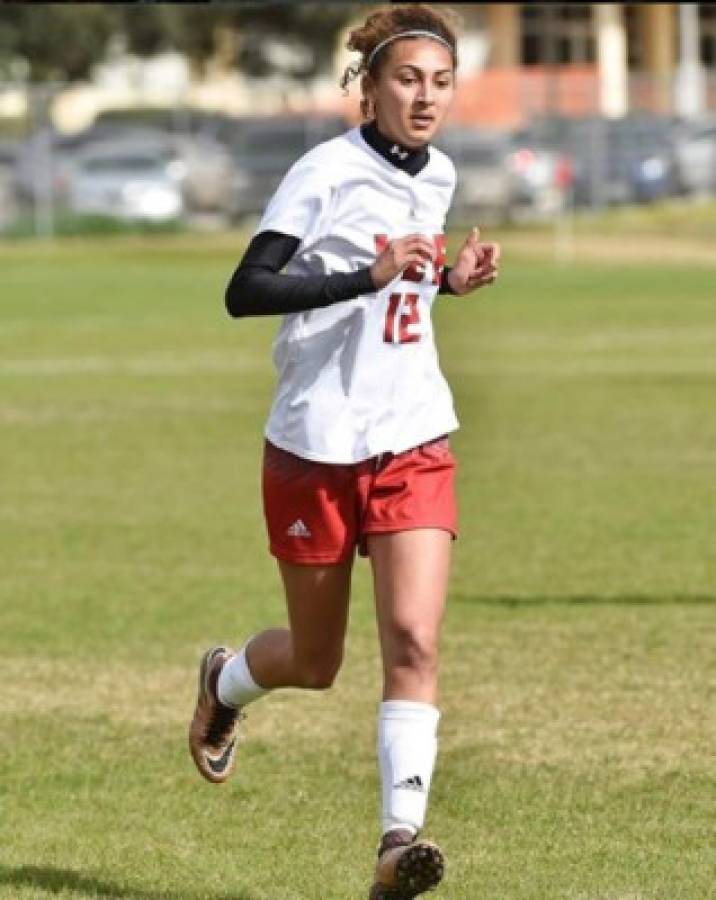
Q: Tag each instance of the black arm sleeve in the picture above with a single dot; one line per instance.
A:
(444, 283)
(257, 287)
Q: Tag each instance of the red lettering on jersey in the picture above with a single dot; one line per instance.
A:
(415, 272)
(407, 304)
(440, 253)
(411, 317)
(389, 331)
(381, 243)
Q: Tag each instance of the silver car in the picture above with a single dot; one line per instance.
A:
(695, 152)
(9, 151)
(263, 148)
(500, 177)
(131, 181)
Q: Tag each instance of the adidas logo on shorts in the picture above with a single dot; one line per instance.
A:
(298, 529)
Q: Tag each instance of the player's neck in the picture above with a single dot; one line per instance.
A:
(409, 160)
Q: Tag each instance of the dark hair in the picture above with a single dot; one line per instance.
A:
(392, 20)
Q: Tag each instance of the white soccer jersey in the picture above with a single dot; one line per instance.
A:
(360, 377)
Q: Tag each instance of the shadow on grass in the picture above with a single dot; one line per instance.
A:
(586, 600)
(54, 881)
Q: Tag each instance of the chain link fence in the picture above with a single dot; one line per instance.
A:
(553, 151)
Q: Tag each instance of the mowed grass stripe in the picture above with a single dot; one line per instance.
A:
(579, 658)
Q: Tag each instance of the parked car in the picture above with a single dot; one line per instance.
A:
(8, 190)
(42, 165)
(696, 157)
(9, 207)
(614, 160)
(643, 153)
(208, 165)
(9, 151)
(127, 180)
(484, 186)
(541, 178)
(209, 172)
(264, 148)
(46, 157)
(500, 176)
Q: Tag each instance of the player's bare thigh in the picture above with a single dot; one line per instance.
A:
(309, 652)
(317, 599)
(410, 572)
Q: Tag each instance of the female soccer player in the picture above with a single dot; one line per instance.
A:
(356, 453)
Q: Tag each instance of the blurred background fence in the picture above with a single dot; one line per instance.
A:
(154, 117)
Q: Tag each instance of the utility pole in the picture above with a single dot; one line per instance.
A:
(43, 199)
(690, 76)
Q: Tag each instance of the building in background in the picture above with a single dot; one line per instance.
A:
(540, 117)
(518, 61)
(535, 59)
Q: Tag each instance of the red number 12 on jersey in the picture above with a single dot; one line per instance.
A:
(403, 309)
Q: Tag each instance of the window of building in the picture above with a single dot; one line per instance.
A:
(557, 33)
(707, 28)
(633, 29)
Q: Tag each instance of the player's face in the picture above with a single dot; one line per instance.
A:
(413, 90)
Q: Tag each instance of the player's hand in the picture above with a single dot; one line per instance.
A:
(476, 264)
(414, 249)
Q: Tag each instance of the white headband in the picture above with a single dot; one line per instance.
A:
(403, 34)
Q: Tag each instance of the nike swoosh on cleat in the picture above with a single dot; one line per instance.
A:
(217, 766)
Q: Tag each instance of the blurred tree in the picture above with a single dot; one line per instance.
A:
(64, 41)
(293, 39)
(56, 41)
(145, 27)
(298, 40)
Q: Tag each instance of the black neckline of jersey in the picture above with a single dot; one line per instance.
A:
(410, 161)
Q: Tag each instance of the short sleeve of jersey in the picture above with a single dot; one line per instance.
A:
(300, 205)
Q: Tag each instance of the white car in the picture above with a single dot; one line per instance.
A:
(696, 158)
(130, 181)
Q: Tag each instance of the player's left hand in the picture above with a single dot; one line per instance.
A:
(476, 264)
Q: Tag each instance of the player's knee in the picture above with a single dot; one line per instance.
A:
(318, 674)
(415, 648)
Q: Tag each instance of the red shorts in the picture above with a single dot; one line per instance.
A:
(316, 513)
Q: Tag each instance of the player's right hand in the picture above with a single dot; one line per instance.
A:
(414, 249)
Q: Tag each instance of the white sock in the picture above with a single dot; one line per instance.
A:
(407, 747)
(236, 686)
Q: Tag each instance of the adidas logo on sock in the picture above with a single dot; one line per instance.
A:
(414, 783)
(298, 529)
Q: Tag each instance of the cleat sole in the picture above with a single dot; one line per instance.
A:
(420, 869)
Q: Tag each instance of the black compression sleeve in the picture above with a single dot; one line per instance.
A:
(258, 289)
(444, 283)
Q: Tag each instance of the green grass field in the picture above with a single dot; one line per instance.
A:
(579, 653)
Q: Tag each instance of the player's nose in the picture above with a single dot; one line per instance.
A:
(426, 93)
(425, 96)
